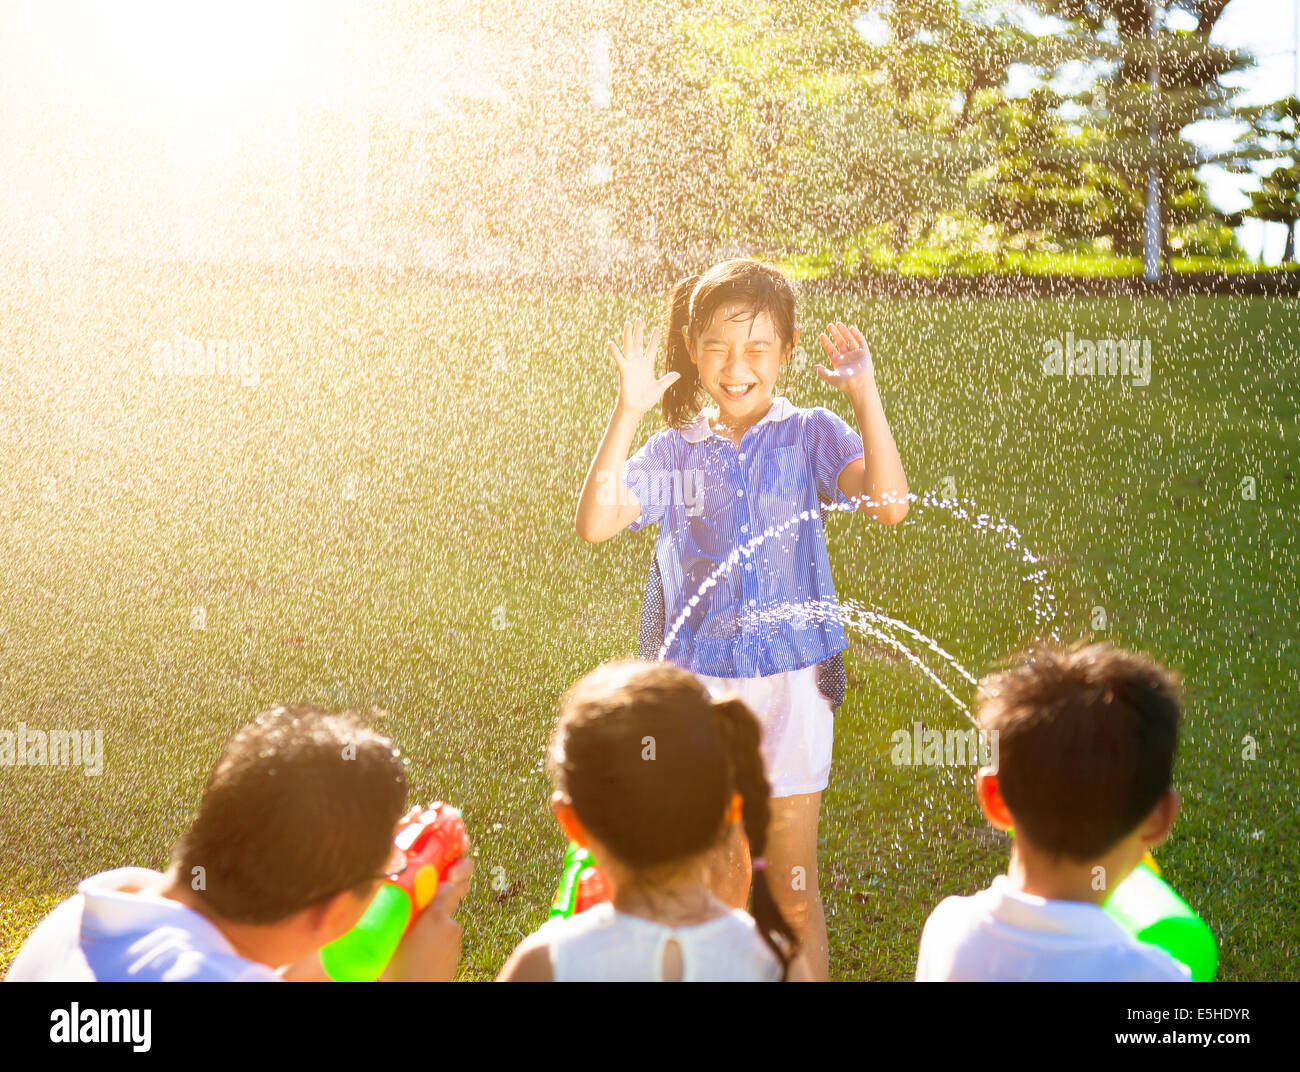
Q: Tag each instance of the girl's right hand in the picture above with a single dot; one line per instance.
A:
(638, 390)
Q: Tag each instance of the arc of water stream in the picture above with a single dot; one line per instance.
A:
(870, 620)
(859, 617)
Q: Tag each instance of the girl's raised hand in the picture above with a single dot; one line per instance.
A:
(850, 359)
(638, 390)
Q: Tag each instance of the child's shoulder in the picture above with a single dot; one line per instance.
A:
(815, 427)
(816, 417)
(959, 911)
(1142, 962)
(539, 956)
(963, 918)
(964, 935)
(567, 928)
(806, 412)
(669, 441)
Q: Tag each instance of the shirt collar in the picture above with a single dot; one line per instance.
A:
(129, 900)
(699, 430)
(1063, 919)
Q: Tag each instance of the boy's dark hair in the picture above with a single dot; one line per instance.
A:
(758, 287)
(654, 811)
(1086, 741)
(300, 807)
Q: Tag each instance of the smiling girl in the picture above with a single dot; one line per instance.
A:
(713, 480)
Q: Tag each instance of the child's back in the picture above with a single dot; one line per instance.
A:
(1003, 934)
(1085, 745)
(602, 945)
(655, 777)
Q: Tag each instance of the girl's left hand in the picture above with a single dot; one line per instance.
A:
(850, 359)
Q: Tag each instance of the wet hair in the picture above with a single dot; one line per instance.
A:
(299, 808)
(758, 287)
(1086, 742)
(660, 810)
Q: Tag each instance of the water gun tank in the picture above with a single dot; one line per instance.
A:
(1146, 906)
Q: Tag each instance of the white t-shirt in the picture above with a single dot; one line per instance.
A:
(118, 928)
(1003, 935)
(601, 945)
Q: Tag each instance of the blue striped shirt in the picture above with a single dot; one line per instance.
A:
(709, 498)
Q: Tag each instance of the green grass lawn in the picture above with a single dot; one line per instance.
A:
(934, 261)
(387, 519)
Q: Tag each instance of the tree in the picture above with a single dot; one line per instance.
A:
(1273, 134)
(1157, 81)
(673, 186)
(783, 129)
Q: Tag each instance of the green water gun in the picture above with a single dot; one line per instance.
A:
(582, 883)
(1146, 906)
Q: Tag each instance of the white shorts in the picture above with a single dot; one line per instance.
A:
(798, 726)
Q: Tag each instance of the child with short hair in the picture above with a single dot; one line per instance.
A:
(651, 773)
(292, 841)
(1086, 740)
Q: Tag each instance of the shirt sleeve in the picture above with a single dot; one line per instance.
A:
(833, 443)
(933, 957)
(924, 969)
(643, 474)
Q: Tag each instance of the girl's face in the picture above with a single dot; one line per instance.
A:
(739, 357)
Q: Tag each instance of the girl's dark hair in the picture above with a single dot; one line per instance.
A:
(650, 762)
(759, 287)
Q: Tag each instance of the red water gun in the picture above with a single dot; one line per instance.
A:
(432, 843)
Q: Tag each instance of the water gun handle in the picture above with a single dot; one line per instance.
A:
(576, 860)
(431, 845)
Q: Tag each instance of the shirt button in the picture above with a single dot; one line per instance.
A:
(744, 528)
(749, 567)
(741, 455)
(739, 493)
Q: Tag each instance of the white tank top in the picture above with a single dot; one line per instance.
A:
(601, 945)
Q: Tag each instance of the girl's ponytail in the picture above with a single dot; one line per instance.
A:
(681, 400)
(740, 733)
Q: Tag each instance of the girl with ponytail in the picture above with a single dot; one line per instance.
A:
(737, 489)
(653, 774)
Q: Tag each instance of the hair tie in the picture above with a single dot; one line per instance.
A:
(760, 864)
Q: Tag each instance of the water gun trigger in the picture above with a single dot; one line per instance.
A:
(424, 886)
